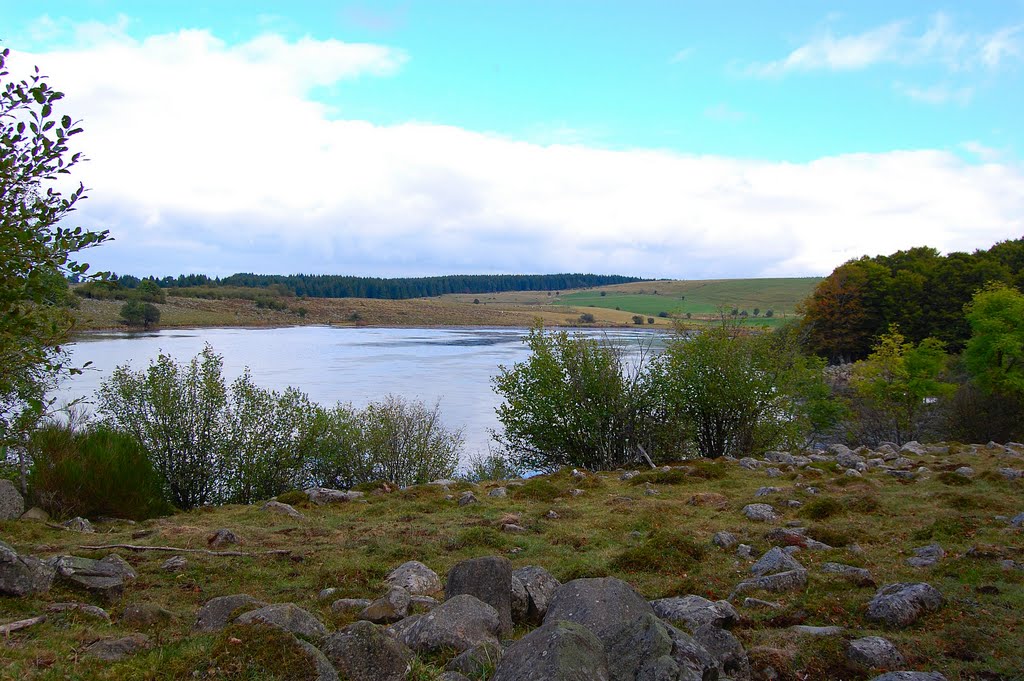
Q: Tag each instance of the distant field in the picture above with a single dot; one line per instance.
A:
(699, 298)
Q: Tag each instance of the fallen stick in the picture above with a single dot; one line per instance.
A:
(175, 549)
(7, 629)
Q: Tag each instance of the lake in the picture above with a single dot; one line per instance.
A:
(450, 366)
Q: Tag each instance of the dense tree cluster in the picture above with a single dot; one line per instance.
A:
(920, 290)
(339, 286)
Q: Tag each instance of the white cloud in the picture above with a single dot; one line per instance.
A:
(896, 43)
(213, 158)
(941, 93)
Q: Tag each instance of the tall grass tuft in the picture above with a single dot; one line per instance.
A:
(93, 473)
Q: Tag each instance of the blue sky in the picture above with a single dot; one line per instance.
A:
(666, 139)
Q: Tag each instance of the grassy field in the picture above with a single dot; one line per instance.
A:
(659, 542)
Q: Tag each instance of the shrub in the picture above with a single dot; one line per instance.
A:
(537, 489)
(93, 473)
(138, 313)
(638, 319)
(672, 477)
(406, 443)
(953, 479)
(663, 552)
(490, 466)
(293, 498)
(587, 318)
(819, 509)
(650, 320)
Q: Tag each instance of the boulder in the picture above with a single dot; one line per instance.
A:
(694, 611)
(35, 514)
(458, 624)
(725, 649)
(391, 607)
(498, 492)
(874, 652)
(325, 671)
(12, 504)
(556, 651)
(477, 662)
(220, 538)
(540, 586)
(416, 578)
(910, 676)
(926, 556)
(286, 616)
(602, 605)
(277, 507)
(114, 649)
(774, 561)
(791, 580)
(467, 498)
(644, 648)
(23, 575)
(759, 512)
(489, 579)
(325, 495)
(901, 604)
(915, 448)
(218, 612)
(724, 540)
(364, 652)
(105, 578)
(520, 601)
(855, 575)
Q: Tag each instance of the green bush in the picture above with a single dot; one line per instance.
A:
(93, 473)
(490, 466)
(406, 443)
(672, 477)
(537, 489)
(663, 552)
(822, 508)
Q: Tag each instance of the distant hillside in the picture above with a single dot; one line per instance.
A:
(699, 297)
(339, 286)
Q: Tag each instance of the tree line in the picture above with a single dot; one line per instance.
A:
(398, 288)
(920, 290)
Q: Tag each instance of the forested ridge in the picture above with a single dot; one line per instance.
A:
(920, 290)
(399, 288)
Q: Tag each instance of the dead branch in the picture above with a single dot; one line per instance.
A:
(175, 549)
(7, 629)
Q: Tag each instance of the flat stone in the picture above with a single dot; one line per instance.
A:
(724, 540)
(467, 498)
(498, 493)
(759, 512)
(792, 580)
(23, 575)
(774, 561)
(806, 630)
(114, 649)
(105, 578)
(218, 612)
(901, 604)
(79, 524)
(277, 507)
(350, 605)
(458, 624)
(874, 652)
(767, 491)
(489, 579)
(758, 603)
(174, 564)
(1017, 520)
(855, 575)
(391, 607)
(926, 556)
(695, 611)
(84, 608)
(286, 616)
(326, 495)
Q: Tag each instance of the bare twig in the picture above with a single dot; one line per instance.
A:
(7, 629)
(175, 549)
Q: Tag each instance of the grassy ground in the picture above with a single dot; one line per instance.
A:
(351, 547)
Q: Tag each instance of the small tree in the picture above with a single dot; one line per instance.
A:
(138, 313)
(638, 319)
(995, 353)
(406, 443)
(650, 320)
(587, 318)
(150, 292)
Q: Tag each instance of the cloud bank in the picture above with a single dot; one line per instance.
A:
(208, 157)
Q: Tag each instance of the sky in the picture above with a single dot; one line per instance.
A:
(678, 140)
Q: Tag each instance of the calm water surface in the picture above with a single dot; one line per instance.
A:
(359, 365)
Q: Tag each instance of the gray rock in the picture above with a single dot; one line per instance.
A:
(767, 491)
(910, 676)
(325, 495)
(556, 651)
(286, 616)
(903, 475)
(23, 575)
(520, 601)
(874, 652)
(35, 514)
(1017, 520)
(758, 603)
(759, 512)
(84, 608)
(12, 504)
(218, 612)
(902, 463)
(792, 580)
(325, 671)
(726, 650)
(787, 536)
(350, 605)
(1011, 473)
(850, 460)
(807, 630)
(391, 607)
(512, 528)
(145, 615)
(724, 540)
(643, 649)
(416, 578)
(79, 524)
(479, 662)
(326, 594)
(854, 473)
(458, 624)
(694, 611)
(773, 472)
(222, 537)
(540, 586)
(749, 463)
(423, 603)
(854, 575)
(926, 556)
(965, 471)
(277, 507)
(914, 447)
(174, 564)
(744, 551)
(552, 515)
(364, 652)
(774, 561)
(489, 579)
(467, 498)
(601, 605)
(114, 649)
(498, 493)
(901, 604)
(629, 475)
(105, 578)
